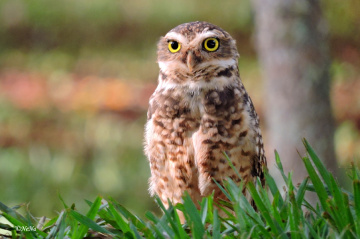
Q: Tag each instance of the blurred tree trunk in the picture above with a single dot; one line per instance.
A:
(293, 50)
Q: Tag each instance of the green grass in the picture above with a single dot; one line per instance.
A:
(280, 214)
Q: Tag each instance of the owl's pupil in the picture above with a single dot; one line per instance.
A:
(211, 44)
(174, 45)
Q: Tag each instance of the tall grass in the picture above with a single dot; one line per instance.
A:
(280, 213)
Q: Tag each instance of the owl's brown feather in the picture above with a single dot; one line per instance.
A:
(195, 115)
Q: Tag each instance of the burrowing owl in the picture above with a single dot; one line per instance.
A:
(199, 110)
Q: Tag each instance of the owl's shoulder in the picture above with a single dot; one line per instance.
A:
(171, 102)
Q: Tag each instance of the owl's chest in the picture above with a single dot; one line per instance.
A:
(179, 114)
(193, 104)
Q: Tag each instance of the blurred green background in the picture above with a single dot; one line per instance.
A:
(76, 76)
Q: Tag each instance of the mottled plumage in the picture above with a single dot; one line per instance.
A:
(199, 110)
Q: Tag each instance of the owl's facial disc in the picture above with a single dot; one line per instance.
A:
(189, 49)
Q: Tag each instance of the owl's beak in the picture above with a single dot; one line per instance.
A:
(190, 61)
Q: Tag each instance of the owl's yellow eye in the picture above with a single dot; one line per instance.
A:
(211, 44)
(174, 46)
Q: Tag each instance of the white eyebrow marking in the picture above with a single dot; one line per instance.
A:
(208, 34)
(200, 37)
(177, 37)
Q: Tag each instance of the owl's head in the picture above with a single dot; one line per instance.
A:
(191, 47)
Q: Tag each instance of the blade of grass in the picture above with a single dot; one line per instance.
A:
(194, 219)
(63, 202)
(356, 187)
(163, 224)
(222, 189)
(128, 215)
(87, 223)
(210, 199)
(318, 164)
(74, 225)
(232, 165)
(318, 185)
(275, 210)
(62, 226)
(236, 192)
(263, 195)
(260, 226)
(233, 189)
(156, 227)
(216, 225)
(301, 191)
(120, 222)
(228, 213)
(204, 210)
(230, 227)
(135, 231)
(279, 165)
(105, 214)
(241, 217)
(273, 188)
(339, 208)
(294, 214)
(293, 226)
(250, 211)
(351, 224)
(58, 228)
(90, 215)
(173, 225)
(312, 231)
(50, 223)
(265, 212)
(182, 233)
(94, 208)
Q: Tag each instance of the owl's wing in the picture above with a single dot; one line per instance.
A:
(260, 164)
(229, 124)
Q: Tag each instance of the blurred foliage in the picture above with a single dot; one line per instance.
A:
(43, 24)
(343, 18)
(75, 78)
